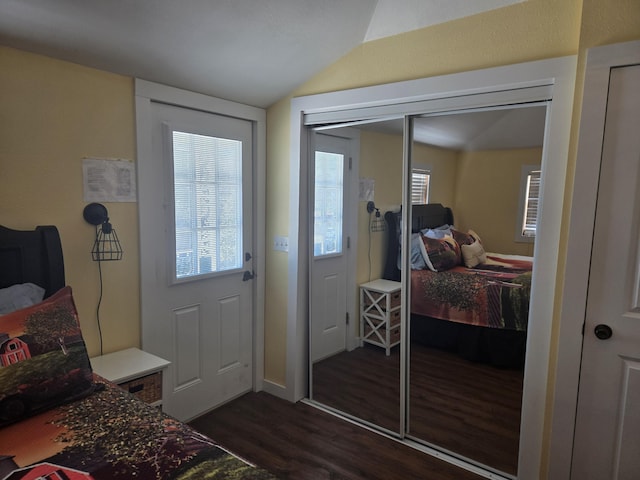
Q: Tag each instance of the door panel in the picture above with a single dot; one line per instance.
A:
(187, 328)
(607, 444)
(196, 308)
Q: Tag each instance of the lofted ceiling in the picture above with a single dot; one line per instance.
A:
(249, 51)
(253, 52)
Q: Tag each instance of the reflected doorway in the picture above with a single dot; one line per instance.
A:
(348, 379)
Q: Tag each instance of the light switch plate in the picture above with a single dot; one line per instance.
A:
(281, 244)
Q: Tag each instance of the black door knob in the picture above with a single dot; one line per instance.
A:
(603, 332)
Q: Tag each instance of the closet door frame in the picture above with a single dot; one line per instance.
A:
(551, 79)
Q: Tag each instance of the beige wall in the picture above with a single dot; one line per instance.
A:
(277, 223)
(444, 166)
(488, 194)
(381, 161)
(52, 115)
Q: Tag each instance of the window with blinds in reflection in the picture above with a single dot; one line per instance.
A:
(207, 179)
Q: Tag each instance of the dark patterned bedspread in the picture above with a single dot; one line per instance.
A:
(495, 294)
(112, 435)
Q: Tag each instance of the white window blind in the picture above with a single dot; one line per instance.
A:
(328, 208)
(532, 196)
(420, 185)
(207, 175)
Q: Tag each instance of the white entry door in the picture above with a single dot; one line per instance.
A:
(328, 296)
(196, 237)
(607, 435)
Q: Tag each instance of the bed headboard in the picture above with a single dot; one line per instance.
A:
(32, 256)
(428, 215)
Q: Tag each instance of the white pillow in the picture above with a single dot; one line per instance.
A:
(473, 255)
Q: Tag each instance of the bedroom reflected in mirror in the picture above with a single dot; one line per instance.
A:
(470, 284)
(472, 184)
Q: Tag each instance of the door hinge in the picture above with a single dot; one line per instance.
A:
(350, 163)
(348, 242)
(347, 318)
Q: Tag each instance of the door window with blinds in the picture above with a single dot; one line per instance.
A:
(328, 207)
(207, 189)
(529, 196)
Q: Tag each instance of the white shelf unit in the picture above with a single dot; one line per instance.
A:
(134, 370)
(380, 310)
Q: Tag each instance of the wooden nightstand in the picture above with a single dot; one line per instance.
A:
(134, 370)
(380, 308)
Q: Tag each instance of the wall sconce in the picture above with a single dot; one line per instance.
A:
(106, 246)
(377, 223)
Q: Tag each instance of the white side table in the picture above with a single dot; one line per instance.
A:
(133, 370)
(380, 309)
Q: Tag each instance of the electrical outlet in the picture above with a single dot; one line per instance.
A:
(281, 244)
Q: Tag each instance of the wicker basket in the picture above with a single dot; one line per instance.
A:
(148, 389)
(395, 299)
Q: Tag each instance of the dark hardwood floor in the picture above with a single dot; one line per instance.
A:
(299, 441)
(471, 409)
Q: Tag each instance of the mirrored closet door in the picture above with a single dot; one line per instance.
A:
(442, 363)
(355, 314)
(469, 302)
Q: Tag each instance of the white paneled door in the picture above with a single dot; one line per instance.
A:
(607, 435)
(197, 266)
(328, 295)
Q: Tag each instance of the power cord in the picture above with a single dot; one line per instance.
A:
(99, 298)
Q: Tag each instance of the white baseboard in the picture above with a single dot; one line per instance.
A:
(275, 389)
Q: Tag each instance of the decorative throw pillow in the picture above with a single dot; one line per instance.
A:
(463, 238)
(440, 254)
(473, 255)
(43, 357)
(474, 235)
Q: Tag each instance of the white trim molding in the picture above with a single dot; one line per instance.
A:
(147, 92)
(600, 61)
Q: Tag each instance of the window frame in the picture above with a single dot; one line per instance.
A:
(339, 250)
(421, 170)
(173, 278)
(525, 174)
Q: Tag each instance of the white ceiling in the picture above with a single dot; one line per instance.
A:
(250, 51)
(520, 126)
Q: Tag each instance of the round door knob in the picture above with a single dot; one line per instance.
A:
(603, 332)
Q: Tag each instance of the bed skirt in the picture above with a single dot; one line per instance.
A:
(497, 347)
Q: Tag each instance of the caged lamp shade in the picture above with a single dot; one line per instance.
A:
(106, 246)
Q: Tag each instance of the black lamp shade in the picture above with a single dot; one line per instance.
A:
(107, 245)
